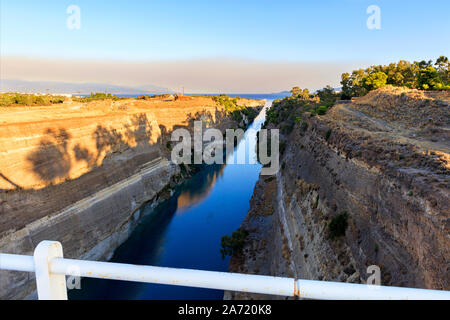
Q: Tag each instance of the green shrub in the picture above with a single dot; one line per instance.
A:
(57, 99)
(234, 244)
(7, 100)
(327, 96)
(328, 134)
(236, 116)
(230, 104)
(98, 96)
(272, 115)
(338, 225)
(25, 99)
(321, 110)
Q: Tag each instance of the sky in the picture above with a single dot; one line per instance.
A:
(215, 45)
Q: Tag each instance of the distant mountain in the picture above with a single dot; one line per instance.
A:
(283, 93)
(11, 85)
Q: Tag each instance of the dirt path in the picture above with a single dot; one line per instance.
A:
(394, 131)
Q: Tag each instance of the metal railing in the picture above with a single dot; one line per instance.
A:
(51, 268)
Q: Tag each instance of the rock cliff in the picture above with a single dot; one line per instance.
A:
(79, 173)
(381, 163)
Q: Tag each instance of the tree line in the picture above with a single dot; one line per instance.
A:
(424, 75)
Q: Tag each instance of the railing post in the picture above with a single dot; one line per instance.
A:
(49, 286)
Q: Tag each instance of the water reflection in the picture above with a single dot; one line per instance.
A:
(188, 198)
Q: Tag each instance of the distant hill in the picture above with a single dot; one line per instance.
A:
(11, 85)
(283, 93)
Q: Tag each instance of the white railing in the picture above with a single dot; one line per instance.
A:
(51, 268)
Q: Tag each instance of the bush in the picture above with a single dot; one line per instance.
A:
(236, 116)
(98, 96)
(328, 134)
(24, 99)
(327, 96)
(272, 115)
(9, 99)
(321, 110)
(234, 244)
(338, 225)
(230, 104)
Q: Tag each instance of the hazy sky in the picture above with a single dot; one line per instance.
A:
(214, 45)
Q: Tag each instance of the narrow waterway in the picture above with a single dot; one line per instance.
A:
(185, 231)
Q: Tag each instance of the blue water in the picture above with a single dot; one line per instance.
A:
(185, 231)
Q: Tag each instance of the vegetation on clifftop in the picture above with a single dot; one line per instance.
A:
(424, 75)
(21, 99)
(97, 96)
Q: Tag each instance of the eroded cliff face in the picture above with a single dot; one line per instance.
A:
(79, 173)
(383, 160)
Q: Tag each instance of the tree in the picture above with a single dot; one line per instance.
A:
(443, 68)
(296, 91)
(327, 96)
(299, 93)
(428, 78)
(374, 81)
(420, 74)
(346, 86)
(423, 64)
(352, 84)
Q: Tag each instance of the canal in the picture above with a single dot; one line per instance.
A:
(185, 231)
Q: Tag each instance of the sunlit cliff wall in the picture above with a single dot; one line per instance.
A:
(78, 173)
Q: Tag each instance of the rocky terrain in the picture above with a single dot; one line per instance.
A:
(381, 163)
(79, 173)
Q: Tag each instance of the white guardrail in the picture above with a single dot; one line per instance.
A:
(51, 268)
